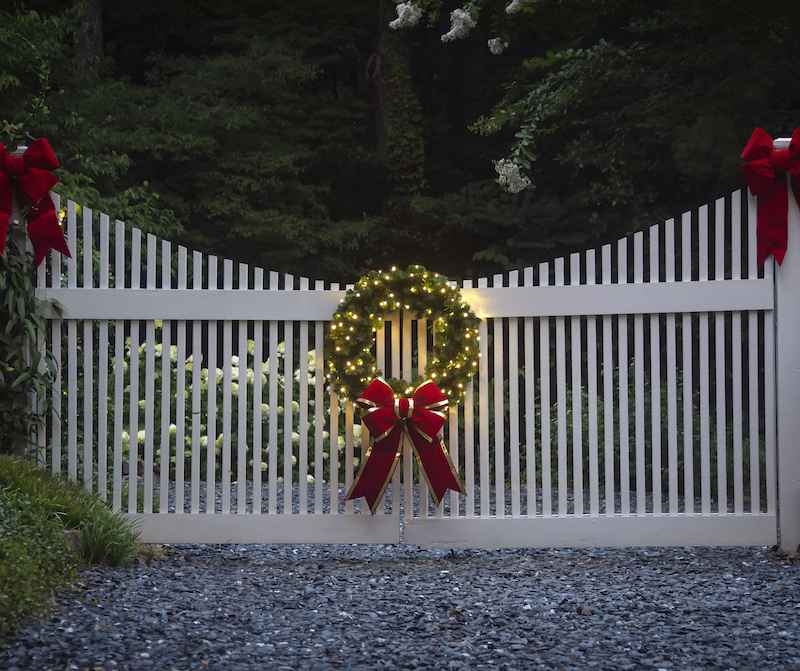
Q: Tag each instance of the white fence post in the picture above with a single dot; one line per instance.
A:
(787, 362)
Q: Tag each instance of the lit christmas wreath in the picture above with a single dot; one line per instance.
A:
(454, 359)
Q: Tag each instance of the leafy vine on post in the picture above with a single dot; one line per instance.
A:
(25, 371)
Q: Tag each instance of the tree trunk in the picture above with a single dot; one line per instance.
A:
(89, 38)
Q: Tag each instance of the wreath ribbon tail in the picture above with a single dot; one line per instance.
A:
(437, 467)
(377, 470)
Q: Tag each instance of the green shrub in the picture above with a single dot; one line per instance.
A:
(35, 560)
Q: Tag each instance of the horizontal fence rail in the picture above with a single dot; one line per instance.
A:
(625, 395)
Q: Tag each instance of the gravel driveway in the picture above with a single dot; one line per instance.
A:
(344, 606)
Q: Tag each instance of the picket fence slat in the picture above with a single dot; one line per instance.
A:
(622, 354)
(56, 425)
(686, 336)
(197, 361)
(272, 472)
(672, 369)
(333, 449)
(577, 393)
(513, 404)
(753, 365)
(302, 477)
(499, 412)
(211, 404)
(483, 410)
(655, 379)
(591, 384)
(736, 357)
(241, 408)
(720, 367)
(149, 385)
(119, 373)
(404, 346)
(608, 394)
(638, 375)
(544, 399)
(133, 396)
(165, 455)
(319, 407)
(469, 441)
(88, 358)
(530, 407)
(288, 393)
(72, 350)
(258, 417)
(227, 389)
(561, 398)
(102, 365)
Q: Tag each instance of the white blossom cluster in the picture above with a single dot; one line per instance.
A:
(408, 16)
(514, 6)
(460, 24)
(497, 46)
(509, 176)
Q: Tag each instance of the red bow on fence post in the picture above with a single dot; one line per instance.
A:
(393, 421)
(766, 169)
(30, 174)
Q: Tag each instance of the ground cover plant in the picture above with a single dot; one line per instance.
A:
(35, 557)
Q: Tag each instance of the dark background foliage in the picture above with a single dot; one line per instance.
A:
(307, 137)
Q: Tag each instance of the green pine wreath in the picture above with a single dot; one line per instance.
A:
(416, 290)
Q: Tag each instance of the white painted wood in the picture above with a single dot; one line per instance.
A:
(787, 279)
(288, 391)
(197, 361)
(608, 394)
(452, 434)
(670, 253)
(333, 450)
(561, 398)
(102, 372)
(655, 378)
(302, 479)
(513, 404)
(720, 367)
(258, 372)
(488, 302)
(165, 452)
(72, 347)
(530, 407)
(149, 384)
(638, 377)
(544, 399)
(686, 397)
(180, 394)
(119, 372)
(348, 453)
(408, 457)
(56, 427)
(499, 413)
(622, 353)
(272, 472)
(133, 380)
(483, 410)
(772, 418)
(273, 529)
(211, 403)
(241, 407)
(753, 365)
(587, 531)
(737, 419)
(576, 352)
(469, 442)
(88, 357)
(227, 390)
(319, 405)
(422, 362)
(591, 390)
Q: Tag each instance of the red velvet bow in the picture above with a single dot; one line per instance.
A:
(392, 421)
(765, 169)
(31, 175)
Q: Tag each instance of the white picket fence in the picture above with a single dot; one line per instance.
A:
(625, 396)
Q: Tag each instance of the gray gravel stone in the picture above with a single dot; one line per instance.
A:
(382, 607)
